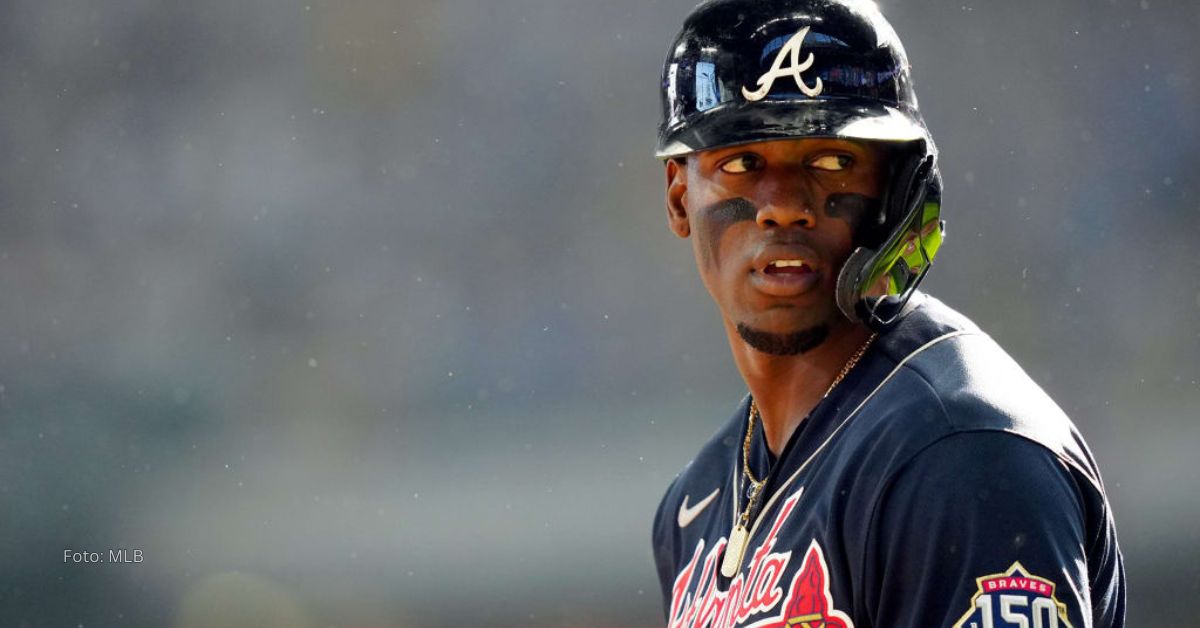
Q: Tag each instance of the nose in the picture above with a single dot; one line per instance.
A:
(787, 204)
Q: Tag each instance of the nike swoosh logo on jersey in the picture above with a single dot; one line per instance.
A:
(687, 515)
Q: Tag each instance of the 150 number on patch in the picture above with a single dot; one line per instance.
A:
(1014, 599)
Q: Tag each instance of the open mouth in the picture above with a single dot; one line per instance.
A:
(788, 267)
(784, 273)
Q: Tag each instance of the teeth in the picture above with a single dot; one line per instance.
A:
(784, 263)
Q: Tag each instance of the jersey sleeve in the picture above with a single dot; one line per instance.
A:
(988, 530)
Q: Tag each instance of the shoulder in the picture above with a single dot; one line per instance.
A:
(979, 384)
(952, 378)
(989, 471)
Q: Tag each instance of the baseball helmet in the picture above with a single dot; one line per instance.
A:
(745, 71)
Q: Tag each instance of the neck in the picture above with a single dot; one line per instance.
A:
(787, 387)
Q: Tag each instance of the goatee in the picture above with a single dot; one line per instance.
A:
(793, 343)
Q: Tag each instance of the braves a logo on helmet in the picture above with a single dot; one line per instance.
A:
(699, 603)
(1014, 599)
(789, 52)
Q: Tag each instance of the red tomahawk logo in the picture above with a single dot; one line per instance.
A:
(809, 603)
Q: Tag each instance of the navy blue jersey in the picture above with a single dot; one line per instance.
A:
(936, 486)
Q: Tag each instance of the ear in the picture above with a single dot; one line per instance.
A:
(677, 214)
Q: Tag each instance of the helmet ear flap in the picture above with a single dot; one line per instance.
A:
(902, 164)
(910, 173)
(876, 283)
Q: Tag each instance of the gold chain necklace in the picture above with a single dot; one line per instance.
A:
(736, 548)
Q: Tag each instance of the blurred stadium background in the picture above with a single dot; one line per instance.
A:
(364, 313)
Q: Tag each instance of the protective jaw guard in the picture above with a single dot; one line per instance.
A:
(875, 284)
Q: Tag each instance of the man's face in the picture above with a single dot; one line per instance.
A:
(771, 224)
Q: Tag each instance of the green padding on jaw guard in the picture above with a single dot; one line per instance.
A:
(910, 252)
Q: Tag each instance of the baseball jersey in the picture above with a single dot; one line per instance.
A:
(936, 486)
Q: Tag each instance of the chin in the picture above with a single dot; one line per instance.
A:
(786, 343)
(789, 319)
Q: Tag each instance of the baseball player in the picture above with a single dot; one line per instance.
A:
(891, 466)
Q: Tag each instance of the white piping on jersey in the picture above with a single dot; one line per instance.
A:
(779, 491)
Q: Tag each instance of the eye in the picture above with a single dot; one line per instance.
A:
(745, 162)
(832, 163)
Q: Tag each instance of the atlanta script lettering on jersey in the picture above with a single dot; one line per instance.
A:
(755, 591)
